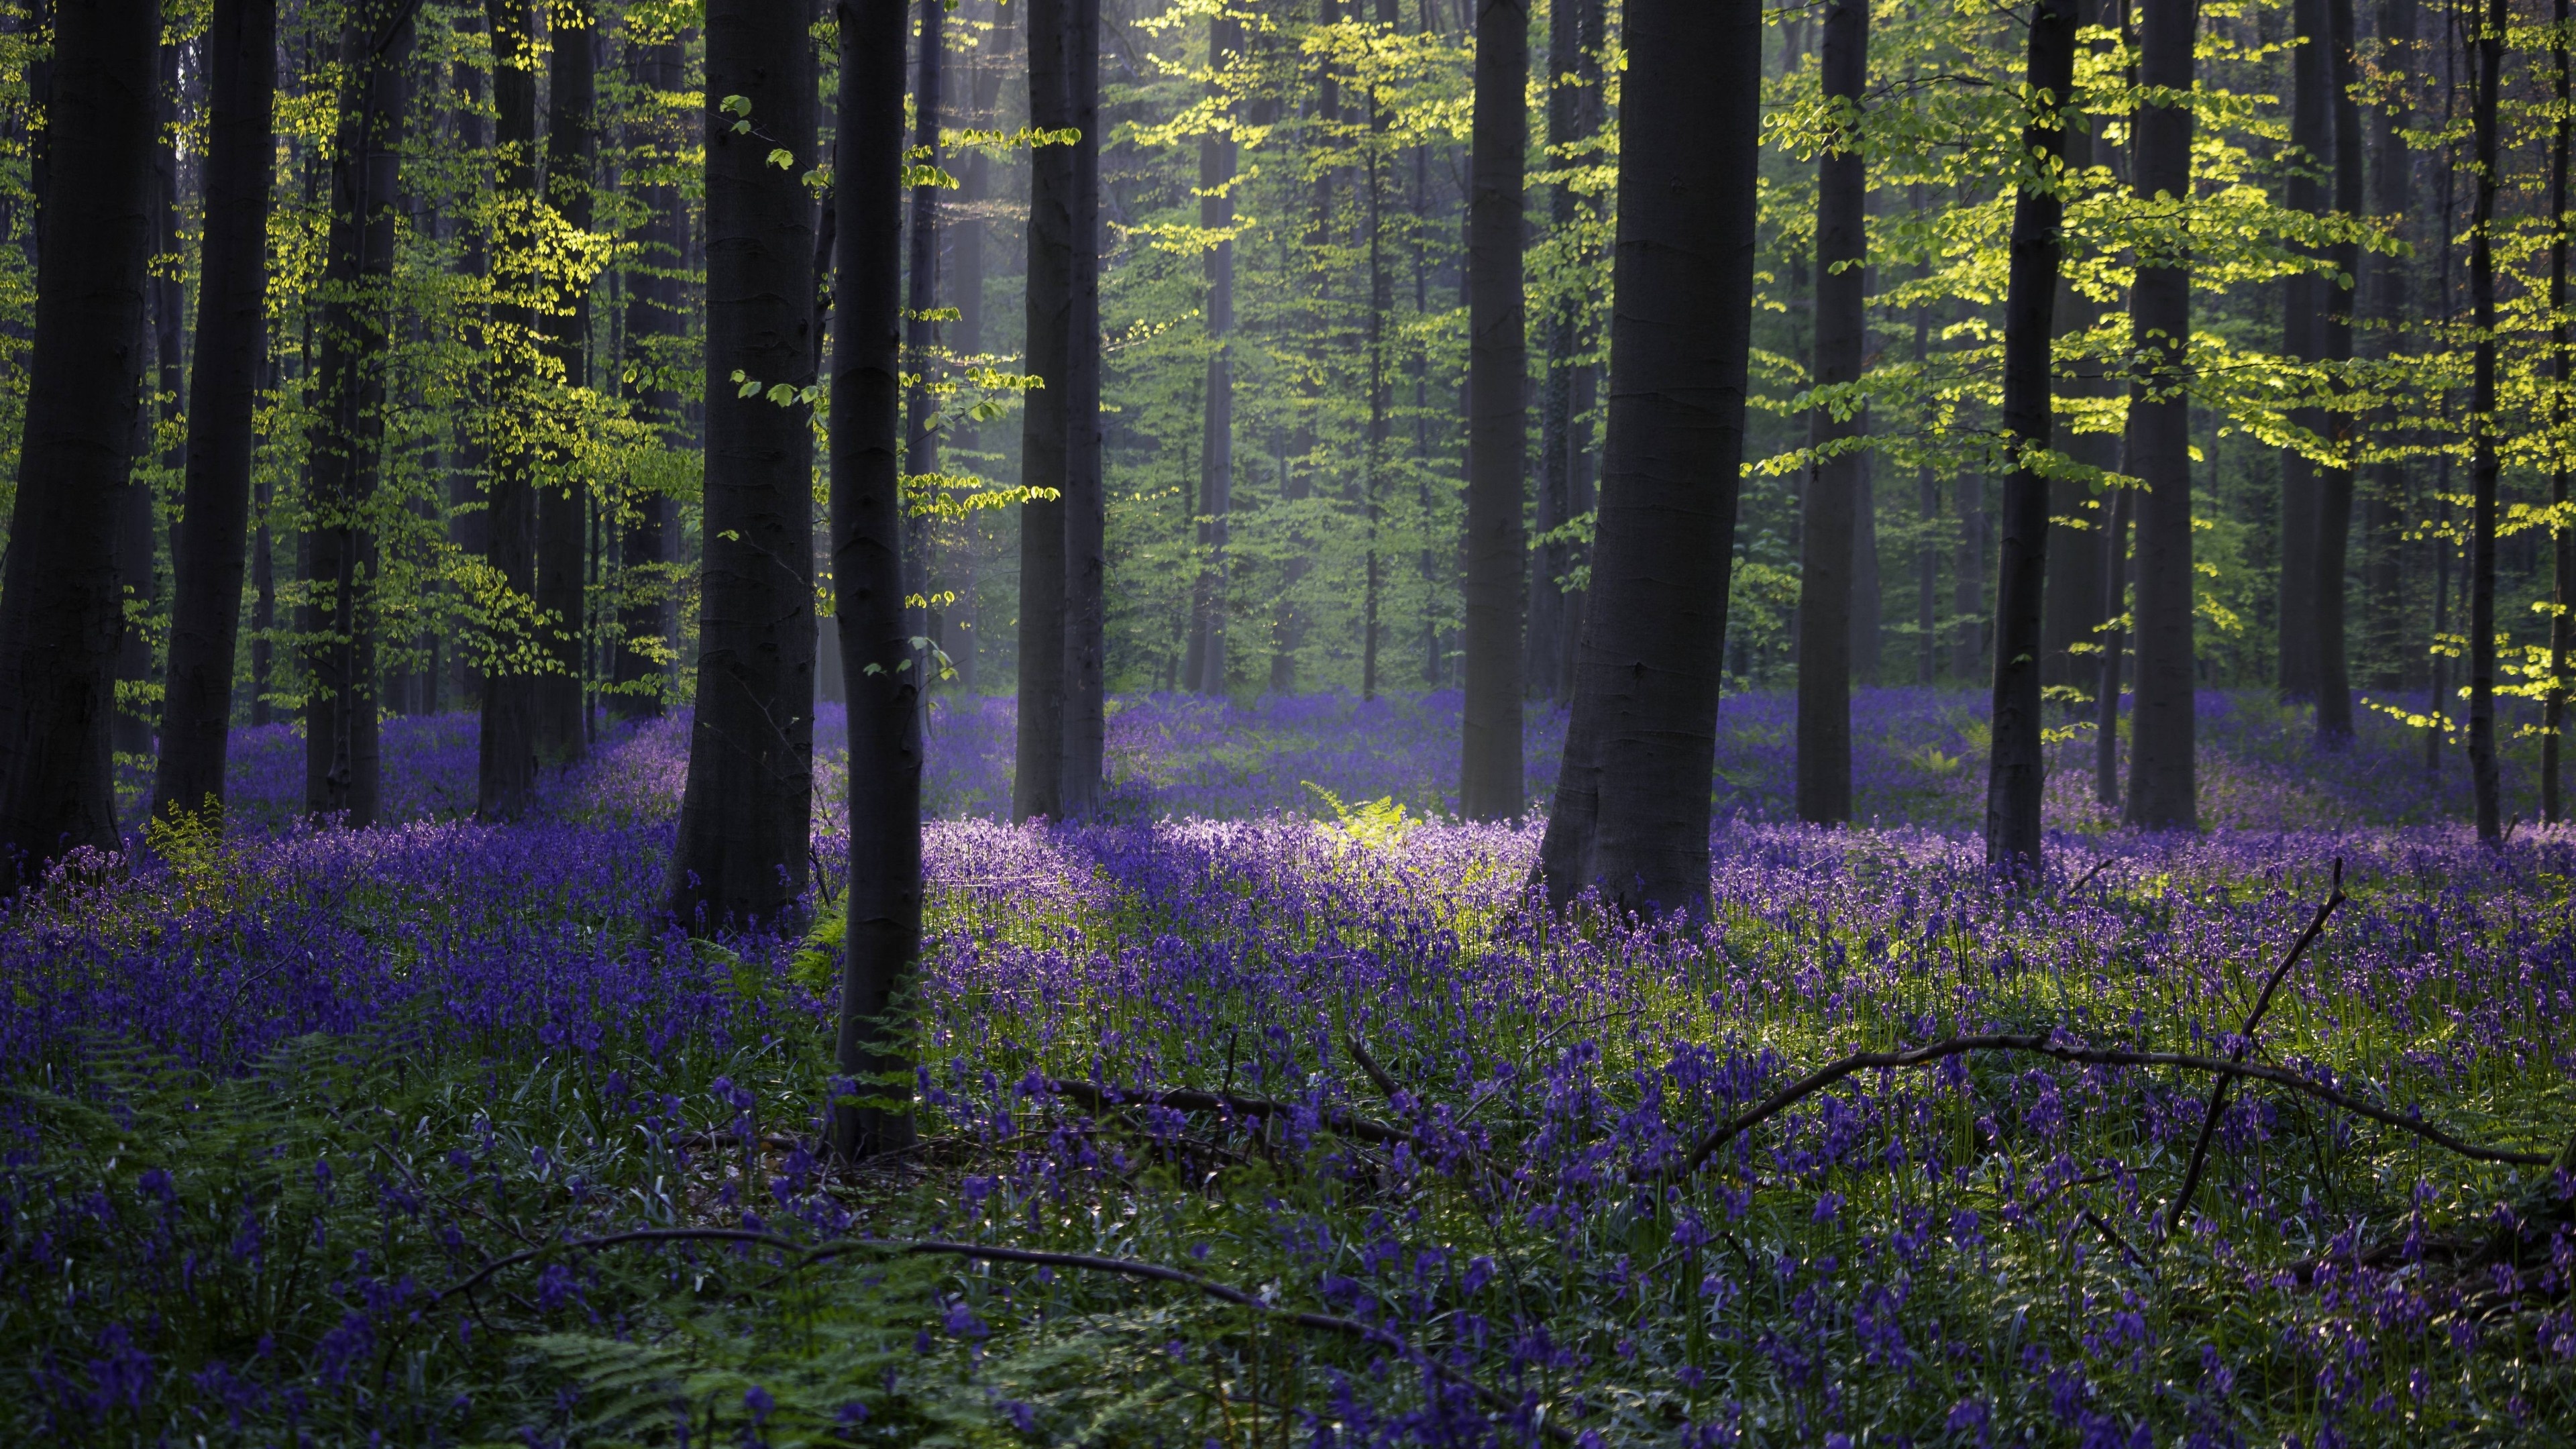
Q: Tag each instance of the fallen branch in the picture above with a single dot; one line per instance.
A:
(2244, 1043)
(808, 1255)
(2048, 1046)
(1187, 1099)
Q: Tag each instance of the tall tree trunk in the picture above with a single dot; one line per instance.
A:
(60, 613)
(868, 577)
(1834, 432)
(138, 525)
(1632, 801)
(962, 632)
(745, 821)
(2302, 340)
(2562, 539)
(1927, 503)
(1549, 643)
(2106, 715)
(2485, 775)
(921, 334)
(1037, 786)
(2384, 518)
(2073, 615)
(507, 757)
(341, 756)
(2163, 785)
(563, 501)
(2017, 767)
(1491, 784)
(2334, 482)
(1086, 504)
(1205, 671)
(655, 329)
(232, 340)
(1968, 581)
(1380, 398)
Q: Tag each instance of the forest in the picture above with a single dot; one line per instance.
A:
(1327, 722)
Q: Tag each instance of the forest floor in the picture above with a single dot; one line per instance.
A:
(1269, 1112)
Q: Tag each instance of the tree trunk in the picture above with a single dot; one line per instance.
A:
(1549, 643)
(655, 331)
(2334, 482)
(232, 341)
(744, 823)
(507, 758)
(1086, 504)
(341, 756)
(2017, 768)
(1037, 786)
(868, 576)
(1968, 584)
(60, 616)
(962, 631)
(1205, 671)
(563, 500)
(2485, 776)
(2562, 539)
(2302, 340)
(1834, 431)
(1632, 801)
(2384, 516)
(2106, 714)
(1491, 785)
(921, 334)
(2073, 613)
(2163, 788)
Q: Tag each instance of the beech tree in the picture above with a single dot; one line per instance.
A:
(2485, 772)
(1086, 502)
(1491, 784)
(1037, 782)
(1204, 669)
(1836, 422)
(562, 500)
(506, 761)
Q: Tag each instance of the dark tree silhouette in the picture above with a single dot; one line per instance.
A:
(2384, 511)
(1037, 785)
(2073, 624)
(1574, 39)
(868, 577)
(338, 618)
(2163, 784)
(2334, 481)
(232, 337)
(507, 759)
(1835, 433)
(1086, 502)
(2484, 773)
(2303, 303)
(563, 511)
(60, 613)
(1491, 785)
(1203, 670)
(654, 329)
(2017, 766)
(745, 820)
(1632, 801)
(2562, 540)
(920, 333)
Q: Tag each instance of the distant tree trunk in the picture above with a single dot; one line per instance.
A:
(1205, 671)
(655, 329)
(1968, 581)
(563, 501)
(1632, 800)
(962, 631)
(60, 613)
(341, 758)
(507, 764)
(1086, 517)
(1037, 787)
(1834, 430)
(2017, 764)
(745, 822)
(921, 334)
(2073, 612)
(1572, 119)
(2106, 716)
(2302, 339)
(2562, 539)
(868, 577)
(2334, 483)
(1380, 398)
(2484, 773)
(2384, 516)
(1927, 503)
(1491, 784)
(232, 340)
(2163, 785)
(138, 526)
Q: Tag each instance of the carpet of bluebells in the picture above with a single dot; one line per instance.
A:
(434, 1134)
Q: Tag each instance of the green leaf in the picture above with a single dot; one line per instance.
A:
(736, 106)
(783, 159)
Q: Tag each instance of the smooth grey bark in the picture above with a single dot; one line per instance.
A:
(2303, 302)
(655, 329)
(1575, 38)
(1491, 784)
(342, 756)
(2163, 783)
(2384, 505)
(2017, 762)
(506, 758)
(1204, 659)
(232, 340)
(60, 614)
(920, 333)
(961, 631)
(2334, 483)
(572, 94)
(1632, 802)
(1086, 503)
(2072, 626)
(2485, 772)
(744, 835)
(2106, 703)
(883, 898)
(1834, 432)
(1037, 785)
